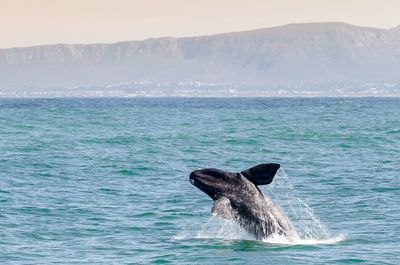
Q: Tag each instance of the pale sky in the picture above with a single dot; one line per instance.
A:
(36, 22)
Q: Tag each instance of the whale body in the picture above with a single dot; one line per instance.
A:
(237, 197)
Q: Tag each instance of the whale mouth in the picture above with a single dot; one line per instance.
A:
(192, 181)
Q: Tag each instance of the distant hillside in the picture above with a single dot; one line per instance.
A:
(286, 58)
(396, 28)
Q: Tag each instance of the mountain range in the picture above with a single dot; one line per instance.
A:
(330, 58)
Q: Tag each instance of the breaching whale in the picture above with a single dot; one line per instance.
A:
(237, 197)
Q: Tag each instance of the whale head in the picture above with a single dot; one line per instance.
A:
(217, 183)
(214, 182)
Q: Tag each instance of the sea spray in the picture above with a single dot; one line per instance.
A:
(300, 213)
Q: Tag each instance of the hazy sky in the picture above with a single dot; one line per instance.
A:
(34, 22)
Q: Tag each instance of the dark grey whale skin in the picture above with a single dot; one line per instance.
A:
(251, 208)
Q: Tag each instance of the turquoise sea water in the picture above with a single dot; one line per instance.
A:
(105, 181)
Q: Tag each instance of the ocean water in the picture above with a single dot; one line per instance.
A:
(105, 181)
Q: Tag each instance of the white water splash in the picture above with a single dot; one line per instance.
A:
(310, 229)
(307, 224)
(218, 228)
(215, 227)
(279, 239)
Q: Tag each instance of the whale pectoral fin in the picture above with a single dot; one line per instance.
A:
(222, 208)
(262, 174)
